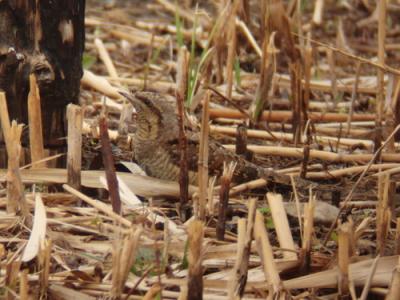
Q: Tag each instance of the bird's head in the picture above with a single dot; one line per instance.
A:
(154, 113)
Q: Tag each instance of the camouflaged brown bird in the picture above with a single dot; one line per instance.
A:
(156, 147)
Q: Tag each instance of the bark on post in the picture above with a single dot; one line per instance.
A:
(44, 38)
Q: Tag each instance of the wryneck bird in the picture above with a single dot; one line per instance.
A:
(156, 147)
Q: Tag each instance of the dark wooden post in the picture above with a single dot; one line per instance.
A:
(44, 38)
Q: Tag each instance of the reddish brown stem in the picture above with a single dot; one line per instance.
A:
(224, 199)
(223, 206)
(241, 140)
(108, 162)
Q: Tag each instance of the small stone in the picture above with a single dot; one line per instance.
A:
(324, 213)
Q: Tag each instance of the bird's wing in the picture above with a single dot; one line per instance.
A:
(192, 150)
(216, 158)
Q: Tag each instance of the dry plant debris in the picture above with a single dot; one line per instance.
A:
(307, 89)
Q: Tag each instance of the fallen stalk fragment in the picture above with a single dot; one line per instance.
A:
(317, 154)
(284, 116)
(98, 205)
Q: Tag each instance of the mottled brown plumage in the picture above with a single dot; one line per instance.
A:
(157, 138)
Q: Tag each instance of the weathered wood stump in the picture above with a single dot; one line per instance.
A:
(44, 38)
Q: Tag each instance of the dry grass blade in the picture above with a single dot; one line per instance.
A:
(38, 233)
(124, 256)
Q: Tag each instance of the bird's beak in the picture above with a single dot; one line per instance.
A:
(132, 99)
